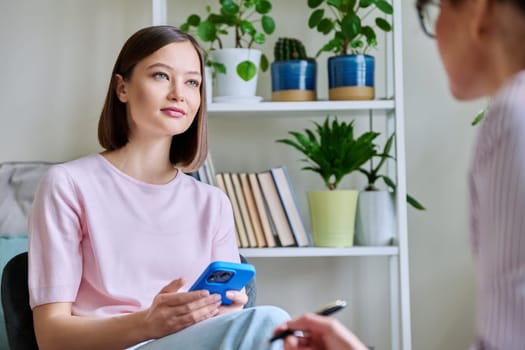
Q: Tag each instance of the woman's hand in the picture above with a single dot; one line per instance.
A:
(238, 298)
(172, 311)
(319, 333)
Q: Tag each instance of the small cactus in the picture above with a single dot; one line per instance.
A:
(289, 49)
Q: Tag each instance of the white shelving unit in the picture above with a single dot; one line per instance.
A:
(312, 251)
(393, 109)
(299, 108)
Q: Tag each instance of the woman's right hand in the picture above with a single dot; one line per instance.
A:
(172, 311)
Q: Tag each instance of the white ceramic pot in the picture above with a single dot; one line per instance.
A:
(231, 84)
(375, 220)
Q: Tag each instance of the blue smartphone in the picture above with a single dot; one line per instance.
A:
(221, 276)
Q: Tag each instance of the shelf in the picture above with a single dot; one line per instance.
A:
(314, 108)
(311, 252)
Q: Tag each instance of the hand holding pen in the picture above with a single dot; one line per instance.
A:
(318, 332)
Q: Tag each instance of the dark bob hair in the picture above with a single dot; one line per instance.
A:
(189, 149)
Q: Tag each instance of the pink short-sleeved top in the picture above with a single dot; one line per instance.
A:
(109, 243)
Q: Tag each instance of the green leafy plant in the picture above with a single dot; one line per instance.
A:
(346, 20)
(286, 49)
(373, 173)
(479, 117)
(250, 22)
(332, 150)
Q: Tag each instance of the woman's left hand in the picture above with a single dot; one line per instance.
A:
(238, 298)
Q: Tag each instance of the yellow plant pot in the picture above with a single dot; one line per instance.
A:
(332, 215)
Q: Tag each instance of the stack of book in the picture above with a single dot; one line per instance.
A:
(265, 209)
(264, 205)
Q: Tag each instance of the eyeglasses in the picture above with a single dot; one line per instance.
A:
(428, 11)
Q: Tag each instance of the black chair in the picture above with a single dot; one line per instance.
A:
(15, 301)
(18, 315)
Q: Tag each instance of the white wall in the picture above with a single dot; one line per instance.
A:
(55, 61)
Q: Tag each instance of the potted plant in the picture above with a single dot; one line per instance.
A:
(332, 151)
(351, 71)
(375, 219)
(293, 73)
(238, 65)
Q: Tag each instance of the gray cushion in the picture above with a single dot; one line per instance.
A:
(18, 184)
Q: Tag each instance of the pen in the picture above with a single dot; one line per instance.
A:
(327, 310)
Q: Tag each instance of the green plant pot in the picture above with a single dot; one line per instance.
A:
(332, 215)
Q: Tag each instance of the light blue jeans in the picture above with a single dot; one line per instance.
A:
(248, 329)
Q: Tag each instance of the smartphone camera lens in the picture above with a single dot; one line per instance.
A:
(220, 276)
(225, 276)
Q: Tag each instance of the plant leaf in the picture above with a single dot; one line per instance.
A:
(246, 70)
(219, 67)
(369, 33)
(206, 31)
(247, 27)
(263, 7)
(264, 63)
(365, 3)
(389, 182)
(385, 154)
(351, 26)
(229, 7)
(268, 24)
(185, 27)
(259, 38)
(335, 3)
(193, 20)
(414, 203)
(315, 18)
(314, 3)
(384, 6)
(325, 26)
(383, 24)
(479, 117)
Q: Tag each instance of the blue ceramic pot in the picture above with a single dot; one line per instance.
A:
(294, 77)
(351, 73)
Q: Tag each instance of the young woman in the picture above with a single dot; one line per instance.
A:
(481, 43)
(117, 238)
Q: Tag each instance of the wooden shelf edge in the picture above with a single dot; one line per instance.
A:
(320, 252)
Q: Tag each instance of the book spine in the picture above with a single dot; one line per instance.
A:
(210, 170)
(195, 175)
(289, 202)
(245, 216)
(252, 210)
(262, 211)
(220, 183)
(276, 209)
(236, 210)
(202, 175)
